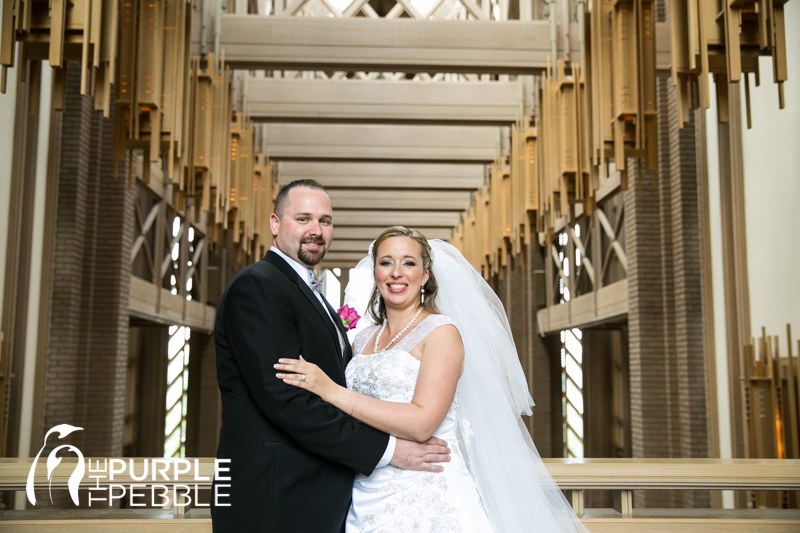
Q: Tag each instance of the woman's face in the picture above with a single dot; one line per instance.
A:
(399, 274)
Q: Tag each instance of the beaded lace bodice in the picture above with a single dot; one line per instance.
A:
(390, 374)
(435, 498)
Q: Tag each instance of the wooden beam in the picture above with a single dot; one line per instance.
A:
(612, 237)
(457, 201)
(586, 263)
(145, 228)
(165, 308)
(380, 45)
(379, 175)
(571, 475)
(473, 144)
(351, 245)
(370, 233)
(606, 304)
(384, 218)
(351, 258)
(735, 281)
(344, 265)
(381, 101)
(294, 7)
(256, 42)
(695, 473)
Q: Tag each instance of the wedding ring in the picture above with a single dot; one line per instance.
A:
(302, 378)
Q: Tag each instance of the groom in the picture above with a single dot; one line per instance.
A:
(292, 456)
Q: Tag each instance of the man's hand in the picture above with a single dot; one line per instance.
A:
(410, 455)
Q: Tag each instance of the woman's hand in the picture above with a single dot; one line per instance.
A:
(307, 376)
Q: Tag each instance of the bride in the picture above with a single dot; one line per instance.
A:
(442, 363)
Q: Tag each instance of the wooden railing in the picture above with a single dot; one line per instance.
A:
(621, 476)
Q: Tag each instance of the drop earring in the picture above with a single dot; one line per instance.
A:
(422, 296)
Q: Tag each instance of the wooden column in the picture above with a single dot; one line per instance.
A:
(709, 348)
(46, 286)
(18, 255)
(204, 415)
(148, 347)
(734, 253)
(599, 399)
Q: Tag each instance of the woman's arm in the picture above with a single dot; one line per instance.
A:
(441, 365)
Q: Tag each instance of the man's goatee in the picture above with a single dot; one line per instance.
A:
(311, 258)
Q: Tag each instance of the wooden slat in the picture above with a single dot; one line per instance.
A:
(351, 245)
(109, 526)
(608, 303)
(380, 45)
(379, 175)
(695, 473)
(400, 199)
(349, 217)
(381, 101)
(350, 258)
(728, 521)
(612, 474)
(380, 142)
(156, 304)
(257, 42)
(370, 233)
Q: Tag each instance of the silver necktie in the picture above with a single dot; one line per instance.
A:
(316, 283)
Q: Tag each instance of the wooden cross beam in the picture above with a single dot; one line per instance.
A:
(474, 144)
(384, 175)
(363, 44)
(381, 101)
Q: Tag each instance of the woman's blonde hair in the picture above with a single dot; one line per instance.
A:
(377, 307)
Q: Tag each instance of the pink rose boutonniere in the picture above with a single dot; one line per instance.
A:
(349, 317)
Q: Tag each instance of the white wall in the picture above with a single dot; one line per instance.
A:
(772, 195)
(772, 212)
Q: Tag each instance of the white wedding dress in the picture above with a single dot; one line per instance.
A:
(507, 488)
(396, 500)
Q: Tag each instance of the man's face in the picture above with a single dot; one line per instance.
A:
(305, 228)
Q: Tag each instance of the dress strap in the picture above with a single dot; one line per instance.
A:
(362, 338)
(417, 334)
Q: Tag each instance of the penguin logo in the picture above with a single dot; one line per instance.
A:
(53, 461)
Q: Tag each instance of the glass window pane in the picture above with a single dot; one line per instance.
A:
(574, 372)
(177, 393)
(175, 345)
(172, 445)
(574, 346)
(575, 420)
(173, 419)
(574, 444)
(174, 369)
(575, 396)
(174, 392)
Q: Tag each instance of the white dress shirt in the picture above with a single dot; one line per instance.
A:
(306, 275)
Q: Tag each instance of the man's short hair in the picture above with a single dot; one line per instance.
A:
(281, 198)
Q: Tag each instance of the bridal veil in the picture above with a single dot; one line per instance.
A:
(517, 491)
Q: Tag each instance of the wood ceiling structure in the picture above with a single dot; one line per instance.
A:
(230, 93)
(399, 119)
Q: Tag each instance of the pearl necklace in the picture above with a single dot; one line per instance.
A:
(383, 328)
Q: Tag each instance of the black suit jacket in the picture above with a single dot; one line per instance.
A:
(293, 456)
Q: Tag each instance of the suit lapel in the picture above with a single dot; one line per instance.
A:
(338, 321)
(348, 352)
(284, 267)
(308, 293)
